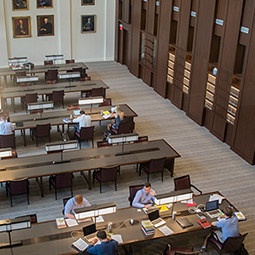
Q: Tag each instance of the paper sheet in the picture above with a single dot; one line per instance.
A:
(71, 222)
(166, 230)
(117, 238)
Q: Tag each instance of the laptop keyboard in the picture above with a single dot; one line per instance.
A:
(158, 222)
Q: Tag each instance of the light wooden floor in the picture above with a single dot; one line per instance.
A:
(210, 163)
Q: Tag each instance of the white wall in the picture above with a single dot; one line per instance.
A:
(67, 39)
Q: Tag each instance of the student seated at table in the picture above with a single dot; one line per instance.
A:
(118, 115)
(229, 227)
(5, 126)
(108, 246)
(73, 203)
(83, 119)
(144, 197)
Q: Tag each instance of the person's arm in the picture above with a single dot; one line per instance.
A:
(68, 208)
(86, 202)
(136, 202)
(76, 120)
(92, 249)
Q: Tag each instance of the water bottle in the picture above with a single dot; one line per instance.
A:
(215, 70)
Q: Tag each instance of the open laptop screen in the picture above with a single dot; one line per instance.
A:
(212, 205)
(89, 229)
(153, 215)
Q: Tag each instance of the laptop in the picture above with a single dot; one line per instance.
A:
(76, 112)
(90, 232)
(112, 108)
(212, 209)
(155, 219)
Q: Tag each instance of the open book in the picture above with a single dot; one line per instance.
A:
(80, 245)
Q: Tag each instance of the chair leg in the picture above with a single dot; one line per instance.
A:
(162, 173)
(56, 193)
(28, 198)
(148, 177)
(100, 187)
(115, 185)
(92, 142)
(11, 199)
(80, 144)
(36, 141)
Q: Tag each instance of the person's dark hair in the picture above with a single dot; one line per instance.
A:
(228, 211)
(101, 234)
(147, 184)
(82, 112)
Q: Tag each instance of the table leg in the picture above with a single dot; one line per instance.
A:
(169, 164)
(23, 133)
(39, 180)
(13, 104)
(88, 180)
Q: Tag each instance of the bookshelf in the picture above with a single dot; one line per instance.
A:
(186, 75)
(170, 66)
(210, 91)
(233, 100)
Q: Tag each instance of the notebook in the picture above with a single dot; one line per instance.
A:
(212, 209)
(184, 222)
(155, 219)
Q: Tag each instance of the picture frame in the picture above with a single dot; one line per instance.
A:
(45, 25)
(19, 5)
(44, 4)
(87, 2)
(88, 23)
(21, 27)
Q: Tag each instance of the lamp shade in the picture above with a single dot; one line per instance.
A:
(91, 100)
(62, 145)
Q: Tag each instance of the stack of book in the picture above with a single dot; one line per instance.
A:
(61, 223)
(147, 227)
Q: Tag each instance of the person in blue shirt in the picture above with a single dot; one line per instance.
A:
(108, 246)
(229, 227)
(73, 203)
(144, 197)
(5, 126)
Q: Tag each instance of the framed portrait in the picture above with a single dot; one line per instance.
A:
(21, 27)
(87, 2)
(45, 25)
(88, 23)
(18, 5)
(44, 3)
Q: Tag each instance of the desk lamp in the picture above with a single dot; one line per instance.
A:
(5, 152)
(54, 57)
(26, 79)
(90, 101)
(9, 225)
(40, 106)
(69, 76)
(173, 197)
(14, 62)
(61, 146)
(122, 138)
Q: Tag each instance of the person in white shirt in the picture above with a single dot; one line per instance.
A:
(5, 127)
(83, 120)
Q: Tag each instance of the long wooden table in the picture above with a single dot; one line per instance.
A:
(42, 69)
(46, 89)
(55, 118)
(45, 238)
(86, 160)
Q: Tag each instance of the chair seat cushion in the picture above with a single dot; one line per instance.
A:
(215, 242)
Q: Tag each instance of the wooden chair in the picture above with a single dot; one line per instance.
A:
(41, 131)
(64, 203)
(95, 92)
(132, 192)
(179, 250)
(48, 62)
(29, 98)
(60, 181)
(51, 76)
(153, 166)
(33, 218)
(103, 144)
(7, 140)
(57, 96)
(70, 61)
(107, 102)
(231, 244)
(85, 133)
(183, 182)
(124, 128)
(106, 174)
(17, 187)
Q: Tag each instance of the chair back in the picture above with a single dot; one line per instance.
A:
(43, 130)
(52, 74)
(48, 62)
(103, 144)
(142, 139)
(233, 244)
(7, 140)
(107, 102)
(182, 182)
(18, 187)
(65, 200)
(108, 173)
(156, 165)
(95, 92)
(80, 70)
(64, 180)
(31, 98)
(57, 95)
(69, 61)
(132, 192)
(124, 128)
(87, 133)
